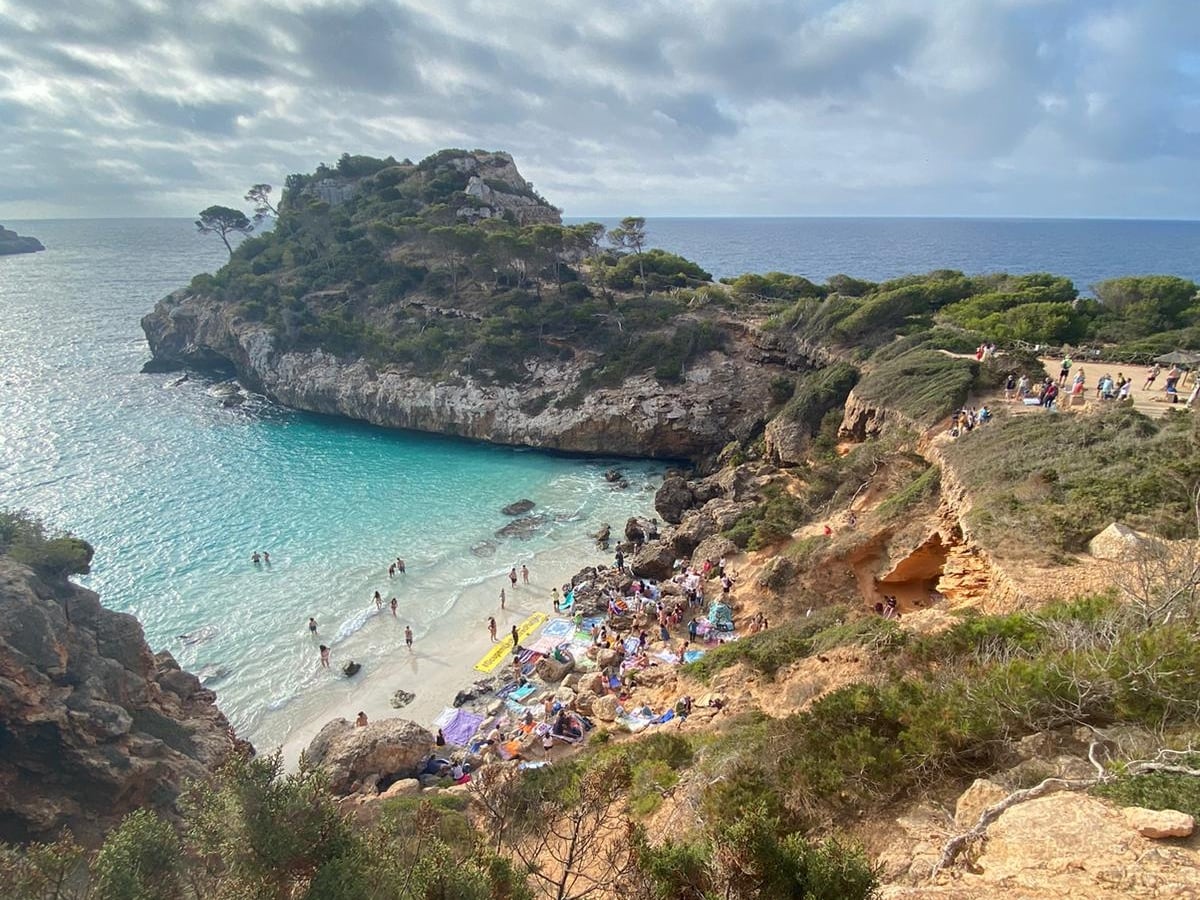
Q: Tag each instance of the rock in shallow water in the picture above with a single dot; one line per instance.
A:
(518, 508)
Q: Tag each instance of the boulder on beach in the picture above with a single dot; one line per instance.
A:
(674, 498)
(519, 507)
(351, 669)
(551, 670)
(391, 748)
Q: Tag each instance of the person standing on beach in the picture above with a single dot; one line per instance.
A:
(312, 625)
(408, 636)
(512, 576)
(324, 657)
(516, 638)
(492, 628)
(525, 574)
(502, 598)
(555, 599)
(393, 605)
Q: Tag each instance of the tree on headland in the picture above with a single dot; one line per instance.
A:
(222, 221)
(260, 196)
(631, 235)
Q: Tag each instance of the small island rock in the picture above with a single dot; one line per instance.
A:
(11, 242)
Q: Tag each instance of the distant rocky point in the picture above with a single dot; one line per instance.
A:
(11, 242)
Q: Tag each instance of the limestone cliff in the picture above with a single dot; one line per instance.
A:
(92, 723)
(723, 396)
(11, 242)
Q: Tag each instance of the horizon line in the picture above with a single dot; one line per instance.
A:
(720, 216)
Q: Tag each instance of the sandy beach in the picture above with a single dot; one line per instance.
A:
(442, 662)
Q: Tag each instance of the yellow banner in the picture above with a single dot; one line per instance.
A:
(503, 648)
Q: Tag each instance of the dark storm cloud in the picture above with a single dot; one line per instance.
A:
(734, 106)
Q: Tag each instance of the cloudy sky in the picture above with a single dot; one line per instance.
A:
(658, 107)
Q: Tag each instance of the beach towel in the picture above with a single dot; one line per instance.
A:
(665, 717)
(544, 645)
(567, 601)
(458, 725)
(558, 628)
(522, 692)
(502, 650)
(509, 749)
(692, 655)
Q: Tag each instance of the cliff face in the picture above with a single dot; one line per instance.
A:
(723, 397)
(92, 723)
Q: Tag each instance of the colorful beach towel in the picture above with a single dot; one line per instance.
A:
(558, 628)
(502, 650)
(458, 725)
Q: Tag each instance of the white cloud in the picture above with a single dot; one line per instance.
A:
(1036, 107)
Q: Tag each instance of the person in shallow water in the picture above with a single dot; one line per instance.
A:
(408, 636)
(378, 600)
(525, 574)
(256, 559)
(324, 657)
(512, 576)
(393, 606)
(400, 565)
(312, 625)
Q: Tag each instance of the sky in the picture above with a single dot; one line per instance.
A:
(705, 107)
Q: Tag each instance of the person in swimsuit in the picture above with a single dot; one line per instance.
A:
(312, 625)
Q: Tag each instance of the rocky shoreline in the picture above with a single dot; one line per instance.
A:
(723, 398)
(93, 723)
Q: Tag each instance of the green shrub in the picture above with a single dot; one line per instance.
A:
(1157, 790)
(140, 860)
(924, 385)
(26, 541)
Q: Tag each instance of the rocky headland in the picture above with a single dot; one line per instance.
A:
(11, 242)
(93, 723)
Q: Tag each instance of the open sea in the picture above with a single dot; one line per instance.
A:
(175, 491)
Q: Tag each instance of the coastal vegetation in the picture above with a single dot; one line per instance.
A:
(455, 266)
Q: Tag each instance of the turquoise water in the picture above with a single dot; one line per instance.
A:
(176, 491)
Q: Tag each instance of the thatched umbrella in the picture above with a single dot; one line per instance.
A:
(1178, 358)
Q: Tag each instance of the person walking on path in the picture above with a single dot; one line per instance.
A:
(408, 636)
(492, 628)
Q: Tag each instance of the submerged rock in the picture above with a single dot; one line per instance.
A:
(522, 528)
(518, 507)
